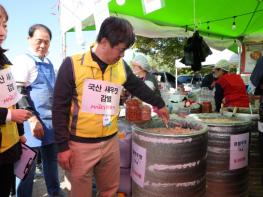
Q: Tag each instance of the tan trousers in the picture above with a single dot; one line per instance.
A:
(101, 159)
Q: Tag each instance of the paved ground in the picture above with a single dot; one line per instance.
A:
(39, 189)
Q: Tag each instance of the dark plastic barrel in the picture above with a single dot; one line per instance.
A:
(225, 178)
(174, 164)
(255, 161)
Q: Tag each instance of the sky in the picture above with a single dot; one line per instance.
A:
(24, 13)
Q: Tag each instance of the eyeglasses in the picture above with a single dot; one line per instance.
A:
(120, 50)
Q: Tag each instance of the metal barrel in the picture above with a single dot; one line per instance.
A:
(169, 165)
(255, 160)
(227, 155)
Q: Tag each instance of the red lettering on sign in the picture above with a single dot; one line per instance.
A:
(10, 98)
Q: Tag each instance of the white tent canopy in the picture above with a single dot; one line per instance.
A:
(81, 13)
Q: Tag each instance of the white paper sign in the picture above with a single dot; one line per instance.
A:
(101, 97)
(8, 94)
(152, 5)
(138, 164)
(239, 151)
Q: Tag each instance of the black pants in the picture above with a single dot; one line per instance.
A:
(6, 179)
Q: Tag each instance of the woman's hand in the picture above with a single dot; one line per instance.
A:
(36, 127)
(20, 115)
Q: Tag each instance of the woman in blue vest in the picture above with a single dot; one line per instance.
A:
(35, 76)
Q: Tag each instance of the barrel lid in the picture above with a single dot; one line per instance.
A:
(218, 119)
(195, 128)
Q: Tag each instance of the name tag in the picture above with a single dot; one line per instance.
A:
(101, 97)
(8, 95)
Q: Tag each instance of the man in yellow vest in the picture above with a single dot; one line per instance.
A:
(85, 109)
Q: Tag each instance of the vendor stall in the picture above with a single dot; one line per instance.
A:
(173, 164)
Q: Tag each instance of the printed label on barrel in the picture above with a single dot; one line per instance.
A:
(138, 164)
(238, 151)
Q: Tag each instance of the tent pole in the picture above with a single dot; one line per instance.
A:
(64, 45)
(175, 75)
(239, 49)
(194, 15)
(62, 33)
(176, 83)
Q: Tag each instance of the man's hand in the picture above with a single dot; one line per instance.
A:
(64, 159)
(36, 127)
(163, 114)
(20, 115)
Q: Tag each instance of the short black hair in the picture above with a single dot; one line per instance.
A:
(33, 28)
(116, 30)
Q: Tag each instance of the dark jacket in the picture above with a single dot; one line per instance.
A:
(195, 51)
(257, 75)
(208, 81)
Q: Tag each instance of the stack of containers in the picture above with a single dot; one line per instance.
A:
(255, 160)
(125, 157)
(227, 155)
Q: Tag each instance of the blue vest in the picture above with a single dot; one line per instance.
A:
(41, 98)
